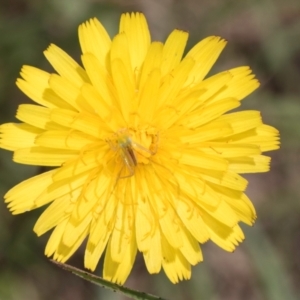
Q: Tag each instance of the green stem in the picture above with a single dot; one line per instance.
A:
(107, 284)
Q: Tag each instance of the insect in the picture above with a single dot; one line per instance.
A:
(128, 156)
(129, 153)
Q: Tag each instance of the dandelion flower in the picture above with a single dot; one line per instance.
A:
(146, 154)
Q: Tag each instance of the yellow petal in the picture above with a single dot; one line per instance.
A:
(40, 156)
(264, 136)
(60, 188)
(229, 150)
(66, 90)
(110, 116)
(35, 85)
(73, 230)
(191, 217)
(66, 66)
(118, 272)
(242, 121)
(226, 179)
(58, 139)
(17, 136)
(173, 51)
(87, 162)
(137, 33)
(210, 131)
(23, 196)
(222, 212)
(152, 61)
(94, 39)
(89, 124)
(169, 224)
(102, 224)
(105, 212)
(55, 238)
(120, 52)
(241, 85)
(173, 83)
(208, 113)
(55, 214)
(253, 164)
(190, 248)
(122, 232)
(93, 252)
(204, 92)
(203, 160)
(239, 202)
(37, 116)
(100, 79)
(174, 263)
(205, 53)
(225, 237)
(63, 252)
(145, 225)
(153, 257)
(124, 87)
(149, 96)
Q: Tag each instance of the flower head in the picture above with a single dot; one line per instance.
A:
(146, 156)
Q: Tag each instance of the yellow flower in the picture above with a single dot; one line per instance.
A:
(146, 156)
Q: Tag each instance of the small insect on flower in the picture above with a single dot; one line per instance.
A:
(127, 151)
(128, 156)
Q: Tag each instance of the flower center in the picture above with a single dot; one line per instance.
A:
(132, 147)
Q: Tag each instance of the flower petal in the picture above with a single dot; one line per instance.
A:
(94, 39)
(23, 197)
(35, 85)
(63, 139)
(136, 30)
(66, 66)
(252, 164)
(205, 53)
(37, 116)
(153, 256)
(174, 263)
(89, 124)
(17, 136)
(173, 51)
(115, 271)
(40, 156)
(57, 212)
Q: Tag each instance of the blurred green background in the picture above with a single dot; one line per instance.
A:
(264, 34)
